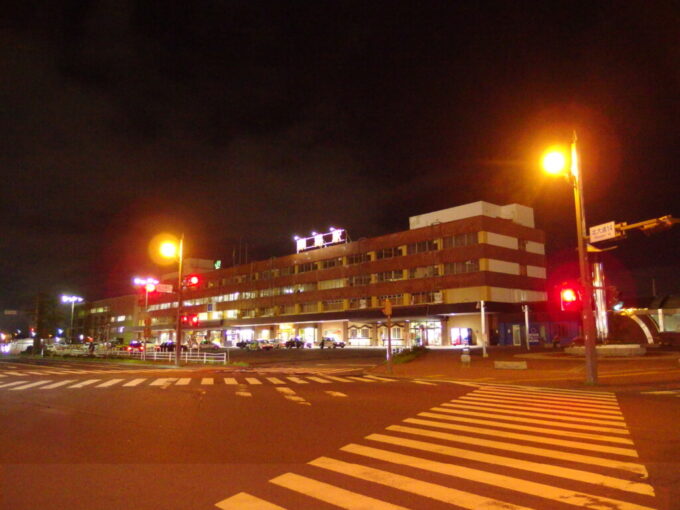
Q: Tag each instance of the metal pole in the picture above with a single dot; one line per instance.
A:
(586, 278)
(525, 309)
(482, 313)
(73, 304)
(389, 344)
(178, 330)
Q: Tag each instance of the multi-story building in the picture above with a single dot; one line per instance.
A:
(435, 275)
(111, 320)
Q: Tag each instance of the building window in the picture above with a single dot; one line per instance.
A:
(395, 299)
(287, 309)
(358, 303)
(365, 333)
(358, 258)
(469, 266)
(388, 253)
(247, 313)
(390, 276)
(308, 307)
(422, 247)
(329, 263)
(423, 272)
(306, 267)
(359, 280)
(458, 240)
(396, 332)
(332, 284)
(267, 311)
(285, 271)
(333, 304)
(419, 298)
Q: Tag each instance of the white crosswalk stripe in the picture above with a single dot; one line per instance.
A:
(57, 384)
(504, 471)
(29, 385)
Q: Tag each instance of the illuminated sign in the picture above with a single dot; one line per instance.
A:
(334, 236)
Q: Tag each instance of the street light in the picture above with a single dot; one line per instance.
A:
(149, 285)
(73, 300)
(555, 163)
(175, 250)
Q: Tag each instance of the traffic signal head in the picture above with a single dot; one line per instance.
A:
(570, 299)
(194, 320)
(192, 280)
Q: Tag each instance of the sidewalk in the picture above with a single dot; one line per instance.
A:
(658, 369)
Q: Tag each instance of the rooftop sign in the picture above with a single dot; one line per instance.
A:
(334, 236)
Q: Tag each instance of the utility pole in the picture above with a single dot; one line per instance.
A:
(388, 312)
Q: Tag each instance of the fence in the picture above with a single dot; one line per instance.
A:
(190, 356)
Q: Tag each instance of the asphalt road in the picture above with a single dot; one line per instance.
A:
(96, 437)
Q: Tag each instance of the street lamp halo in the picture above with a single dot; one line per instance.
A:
(169, 250)
(554, 160)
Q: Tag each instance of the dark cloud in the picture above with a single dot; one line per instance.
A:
(253, 121)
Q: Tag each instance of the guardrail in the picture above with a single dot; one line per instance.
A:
(190, 356)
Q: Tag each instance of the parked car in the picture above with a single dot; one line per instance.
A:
(266, 345)
(135, 346)
(294, 343)
(170, 347)
(329, 343)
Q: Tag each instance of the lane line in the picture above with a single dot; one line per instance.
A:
(541, 490)
(360, 379)
(535, 467)
(527, 437)
(162, 381)
(330, 493)
(336, 378)
(335, 394)
(550, 423)
(412, 485)
(58, 384)
(549, 400)
(383, 379)
(245, 501)
(134, 382)
(285, 390)
(527, 428)
(591, 412)
(29, 385)
(589, 460)
(558, 415)
(318, 379)
(85, 383)
(109, 383)
(425, 382)
(7, 385)
(562, 391)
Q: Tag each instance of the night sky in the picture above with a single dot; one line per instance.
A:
(250, 122)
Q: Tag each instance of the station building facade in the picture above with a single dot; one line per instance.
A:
(435, 274)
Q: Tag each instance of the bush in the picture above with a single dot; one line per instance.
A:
(408, 355)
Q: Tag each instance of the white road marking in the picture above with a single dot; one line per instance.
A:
(296, 380)
(253, 380)
(318, 379)
(383, 379)
(613, 414)
(541, 490)
(163, 381)
(134, 382)
(331, 494)
(275, 380)
(550, 423)
(242, 393)
(575, 401)
(412, 485)
(562, 416)
(85, 383)
(424, 382)
(360, 379)
(559, 391)
(58, 384)
(336, 378)
(529, 450)
(230, 380)
(29, 385)
(184, 381)
(335, 394)
(207, 381)
(535, 467)
(532, 438)
(108, 383)
(286, 390)
(7, 385)
(244, 501)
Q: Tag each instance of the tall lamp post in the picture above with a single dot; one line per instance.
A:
(172, 250)
(73, 300)
(555, 163)
(149, 285)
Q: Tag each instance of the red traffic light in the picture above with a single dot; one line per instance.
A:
(190, 320)
(194, 320)
(570, 299)
(192, 280)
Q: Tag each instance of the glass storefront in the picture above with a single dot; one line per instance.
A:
(426, 333)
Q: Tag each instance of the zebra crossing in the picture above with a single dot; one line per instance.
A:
(68, 370)
(166, 382)
(496, 447)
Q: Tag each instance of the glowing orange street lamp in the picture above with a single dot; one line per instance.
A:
(175, 250)
(555, 163)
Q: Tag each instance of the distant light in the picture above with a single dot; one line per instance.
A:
(150, 287)
(332, 229)
(554, 161)
(169, 250)
(71, 299)
(618, 306)
(82, 336)
(295, 238)
(145, 281)
(313, 233)
(60, 331)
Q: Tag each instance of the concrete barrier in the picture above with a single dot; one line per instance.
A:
(511, 365)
